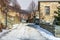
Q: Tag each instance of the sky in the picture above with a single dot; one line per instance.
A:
(25, 3)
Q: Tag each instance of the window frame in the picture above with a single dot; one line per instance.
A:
(47, 10)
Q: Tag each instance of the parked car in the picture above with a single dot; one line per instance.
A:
(37, 21)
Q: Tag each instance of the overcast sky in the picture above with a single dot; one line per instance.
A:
(25, 3)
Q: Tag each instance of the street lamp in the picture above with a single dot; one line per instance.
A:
(39, 11)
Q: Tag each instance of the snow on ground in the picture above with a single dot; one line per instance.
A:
(23, 32)
(3, 32)
(29, 31)
(46, 33)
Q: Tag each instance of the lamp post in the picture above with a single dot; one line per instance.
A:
(39, 10)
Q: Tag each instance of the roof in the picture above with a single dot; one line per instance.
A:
(14, 9)
(24, 12)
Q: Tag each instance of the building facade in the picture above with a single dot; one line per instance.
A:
(8, 15)
(12, 17)
(46, 11)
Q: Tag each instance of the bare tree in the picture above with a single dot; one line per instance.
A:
(31, 6)
(15, 4)
(2, 3)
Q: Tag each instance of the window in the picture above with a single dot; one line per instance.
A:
(47, 10)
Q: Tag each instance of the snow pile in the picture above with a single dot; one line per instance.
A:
(3, 32)
(46, 33)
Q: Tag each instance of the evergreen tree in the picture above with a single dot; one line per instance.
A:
(57, 18)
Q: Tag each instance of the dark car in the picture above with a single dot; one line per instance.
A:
(37, 21)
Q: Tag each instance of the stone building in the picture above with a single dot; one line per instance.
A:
(9, 15)
(12, 16)
(46, 11)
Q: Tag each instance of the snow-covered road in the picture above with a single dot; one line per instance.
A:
(28, 31)
(24, 31)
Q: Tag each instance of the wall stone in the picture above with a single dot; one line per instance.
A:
(53, 7)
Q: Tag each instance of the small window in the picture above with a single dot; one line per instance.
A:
(47, 10)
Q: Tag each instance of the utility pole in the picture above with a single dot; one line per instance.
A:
(39, 10)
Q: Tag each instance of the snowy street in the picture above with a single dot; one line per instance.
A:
(28, 31)
(23, 32)
(29, 20)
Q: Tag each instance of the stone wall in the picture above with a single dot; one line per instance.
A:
(12, 18)
(53, 7)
